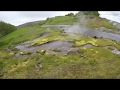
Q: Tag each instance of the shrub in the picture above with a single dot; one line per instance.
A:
(70, 14)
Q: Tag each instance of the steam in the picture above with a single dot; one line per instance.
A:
(81, 29)
(81, 26)
(75, 29)
(82, 18)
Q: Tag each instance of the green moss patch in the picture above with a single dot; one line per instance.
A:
(25, 53)
(42, 52)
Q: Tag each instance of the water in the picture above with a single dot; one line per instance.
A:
(91, 32)
(77, 29)
(66, 46)
(61, 45)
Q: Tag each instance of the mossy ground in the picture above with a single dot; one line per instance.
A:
(93, 62)
(81, 40)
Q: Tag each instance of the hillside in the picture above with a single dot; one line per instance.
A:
(71, 46)
(6, 28)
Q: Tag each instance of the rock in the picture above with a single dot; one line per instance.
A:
(95, 37)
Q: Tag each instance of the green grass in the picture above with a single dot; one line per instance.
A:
(57, 20)
(100, 22)
(53, 36)
(61, 20)
(94, 63)
(21, 35)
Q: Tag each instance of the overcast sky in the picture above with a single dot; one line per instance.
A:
(20, 17)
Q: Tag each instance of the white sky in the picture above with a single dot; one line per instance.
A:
(20, 17)
(111, 15)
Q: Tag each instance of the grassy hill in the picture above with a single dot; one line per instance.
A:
(6, 28)
(96, 61)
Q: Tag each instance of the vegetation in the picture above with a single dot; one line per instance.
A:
(6, 28)
(100, 22)
(91, 63)
(70, 19)
(42, 52)
(22, 35)
(70, 14)
(92, 19)
(96, 61)
(90, 13)
(25, 53)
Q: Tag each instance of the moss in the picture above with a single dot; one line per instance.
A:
(53, 36)
(14, 67)
(95, 62)
(42, 52)
(96, 51)
(12, 54)
(25, 53)
(39, 41)
(56, 50)
(82, 42)
(104, 64)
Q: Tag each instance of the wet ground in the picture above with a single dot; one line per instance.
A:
(78, 29)
(65, 47)
(60, 45)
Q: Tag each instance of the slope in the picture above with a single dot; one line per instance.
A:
(86, 57)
